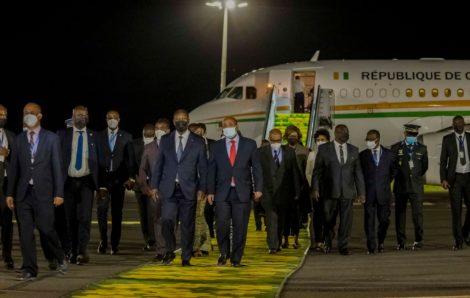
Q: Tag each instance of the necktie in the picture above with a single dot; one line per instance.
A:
(78, 160)
(31, 143)
(233, 152)
(463, 160)
(179, 151)
(376, 157)
(341, 154)
(276, 158)
(112, 141)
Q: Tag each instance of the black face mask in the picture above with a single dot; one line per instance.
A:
(3, 122)
(80, 123)
(292, 141)
(181, 126)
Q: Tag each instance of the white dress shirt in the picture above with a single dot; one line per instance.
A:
(184, 140)
(299, 86)
(459, 168)
(345, 151)
(35, 146)
(85, 169)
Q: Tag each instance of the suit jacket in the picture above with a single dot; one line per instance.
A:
(280, 185)
(147, 165)
(122, 156)
(138, 153)
(338, 180)
(191, 169)
(450, 156)
(246, 170)
(378, 178)
(5, 165)
(409, 180)
(66, 139)
(46, 170)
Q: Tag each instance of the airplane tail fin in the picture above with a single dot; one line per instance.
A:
(315, 56)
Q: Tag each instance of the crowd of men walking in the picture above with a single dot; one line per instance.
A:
(206, 187)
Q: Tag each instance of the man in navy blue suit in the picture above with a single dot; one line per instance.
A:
(234, 169)
(377, 166)
(178, 179)
(35, 188)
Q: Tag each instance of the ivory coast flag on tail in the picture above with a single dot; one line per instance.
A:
(336, 75)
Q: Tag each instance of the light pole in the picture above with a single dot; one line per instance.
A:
(225, 5)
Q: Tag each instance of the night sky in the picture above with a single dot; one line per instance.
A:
(148, 58)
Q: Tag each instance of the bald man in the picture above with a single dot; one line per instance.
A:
(36, 188)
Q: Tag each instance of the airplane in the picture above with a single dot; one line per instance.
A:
(362, 94)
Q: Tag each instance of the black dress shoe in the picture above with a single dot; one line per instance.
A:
(400, 246)
(417, 245)
(272, 251)
(158, 258)
(168, 258)
(458, 245)
(186, 263)
(381, 248)
(25, 276)
(222, 261)
(101, 248)
(53, 265)
(114, 251)
(344, 252)
(237, 264)
(9, 264)
(326, 249)
(82, 259)
(370, 252)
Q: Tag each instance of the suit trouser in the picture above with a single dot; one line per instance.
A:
(344, 208)
(232, 212)
(416, 202)
(275, 222)
(146, 214)
(374, 210)
(156, 209)
(6, 216)
(292, 219)
(185, 208)
(258, 213)
(78, 208)
(116, 197)
(34, 213)
(459, 191)
(209, 215)
(299, 102)
(61, 228)
(317, 222)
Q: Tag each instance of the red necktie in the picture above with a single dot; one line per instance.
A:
(233, 152)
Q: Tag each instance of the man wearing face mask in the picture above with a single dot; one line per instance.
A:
(455, 176)
(178, 179)
(145, 211)
(281, 188)
(35, 188)
(411, 163)
(338, 169)
(118, 164)
(378, 168)
(162, 127)
(235, 175)
(81, 169)
(6, 215)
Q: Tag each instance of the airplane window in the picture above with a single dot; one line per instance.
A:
(396, 92)
(224, 93)
(460, 92)
(447, 92)
(236, 93)
(409, 92)
(434, 92)
(356, 92)
(343, 92)
(250, 92)
(369, 92)
(383, 92)
(422, 92)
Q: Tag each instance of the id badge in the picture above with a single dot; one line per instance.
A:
(461, 154)
(411, 164)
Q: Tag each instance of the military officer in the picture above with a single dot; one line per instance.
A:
(411, 163)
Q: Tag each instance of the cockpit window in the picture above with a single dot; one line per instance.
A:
(236, 93)
(224, 93)
(250, 92)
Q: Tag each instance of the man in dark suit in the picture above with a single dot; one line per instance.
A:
(378, 168)
(145, 211)
(143, 179)
(80, 153)
(118, 164)
(35, 188)
(179, 177)
(233, 163)
(455, 176)
(411, 163)
(281, 186)
(6, 215)
(338, 167)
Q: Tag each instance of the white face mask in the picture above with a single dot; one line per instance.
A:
(230, 132)
(148, 140)
(112, 123)
(159, 133)
(30, 120)
(275, 146)
(370, 144)
(320, 143)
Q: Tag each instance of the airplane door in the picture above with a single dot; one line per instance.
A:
(282, 83)
(321, 113)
